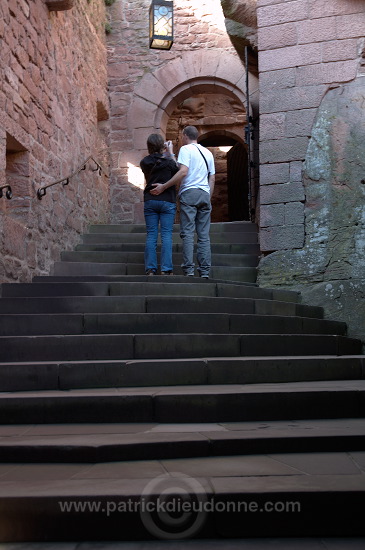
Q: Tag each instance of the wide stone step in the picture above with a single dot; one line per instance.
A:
(225, 227)
(276, 495)
(170, 346)
(228, 238)
(178, 278)
(245, 274)
(174, 372)
(96, 443)
(156, 323)
(154, 304)
(224, 288)
(217, 248)
(231, 403)
(147, 286)
(234, 260)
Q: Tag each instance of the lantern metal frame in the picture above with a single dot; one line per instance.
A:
(161, 41)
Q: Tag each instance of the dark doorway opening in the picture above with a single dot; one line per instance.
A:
(231, 196)
(237, 181)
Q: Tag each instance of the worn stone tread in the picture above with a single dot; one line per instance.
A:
(230, 403)
(57, 375)
(123, 442)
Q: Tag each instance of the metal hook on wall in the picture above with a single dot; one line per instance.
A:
(8, 192)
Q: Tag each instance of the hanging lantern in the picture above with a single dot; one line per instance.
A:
(161, 24)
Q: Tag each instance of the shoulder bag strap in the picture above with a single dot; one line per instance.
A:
(205, 160)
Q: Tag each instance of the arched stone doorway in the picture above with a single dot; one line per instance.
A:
(210, 86)
(219, 118)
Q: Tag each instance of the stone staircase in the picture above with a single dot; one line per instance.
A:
(123, 393)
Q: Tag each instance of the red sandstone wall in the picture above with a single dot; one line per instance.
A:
(305, 48)
(140, 77)
(53, 99)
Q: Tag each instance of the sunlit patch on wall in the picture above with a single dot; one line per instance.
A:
(135, 176)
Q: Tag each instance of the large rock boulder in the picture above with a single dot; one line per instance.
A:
(330, 268)
(241, 23)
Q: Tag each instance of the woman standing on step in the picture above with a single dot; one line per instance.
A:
(158, 167)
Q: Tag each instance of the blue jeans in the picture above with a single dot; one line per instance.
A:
(195, 209)
(156, 212)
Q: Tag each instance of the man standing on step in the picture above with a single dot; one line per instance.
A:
(197, 177)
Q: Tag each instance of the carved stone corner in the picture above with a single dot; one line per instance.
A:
(60, 5)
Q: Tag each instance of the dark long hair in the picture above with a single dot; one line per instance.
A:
(155, 143)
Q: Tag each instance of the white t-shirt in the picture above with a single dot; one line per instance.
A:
(197, 176)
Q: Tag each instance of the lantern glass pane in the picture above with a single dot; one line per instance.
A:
(162, 26)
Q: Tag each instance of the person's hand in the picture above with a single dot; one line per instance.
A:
(169, 147)
(158, 188)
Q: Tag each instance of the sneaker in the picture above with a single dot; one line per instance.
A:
(166, 273)
(189, 274)
(205, 276)
(150, 272)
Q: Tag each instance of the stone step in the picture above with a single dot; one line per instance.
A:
(155, 323)
(275, 494)
(148, 286)
(223, 227)
(96, 443)
(174, 372)
(217, 248)
(186, 404)
(178, 278)
(154, 304)
(170, 346)
(244, 274)
(228, 238)
(234, 260)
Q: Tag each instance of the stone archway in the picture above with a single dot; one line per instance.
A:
(161, 92)
(219, 118)
(156, 98)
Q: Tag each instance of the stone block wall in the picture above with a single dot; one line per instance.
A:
(53, 113)
(305, 47)
(312, 151)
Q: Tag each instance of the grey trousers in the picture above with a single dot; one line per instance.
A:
(195, 209)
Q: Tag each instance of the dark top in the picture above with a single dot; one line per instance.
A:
(159, 169)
